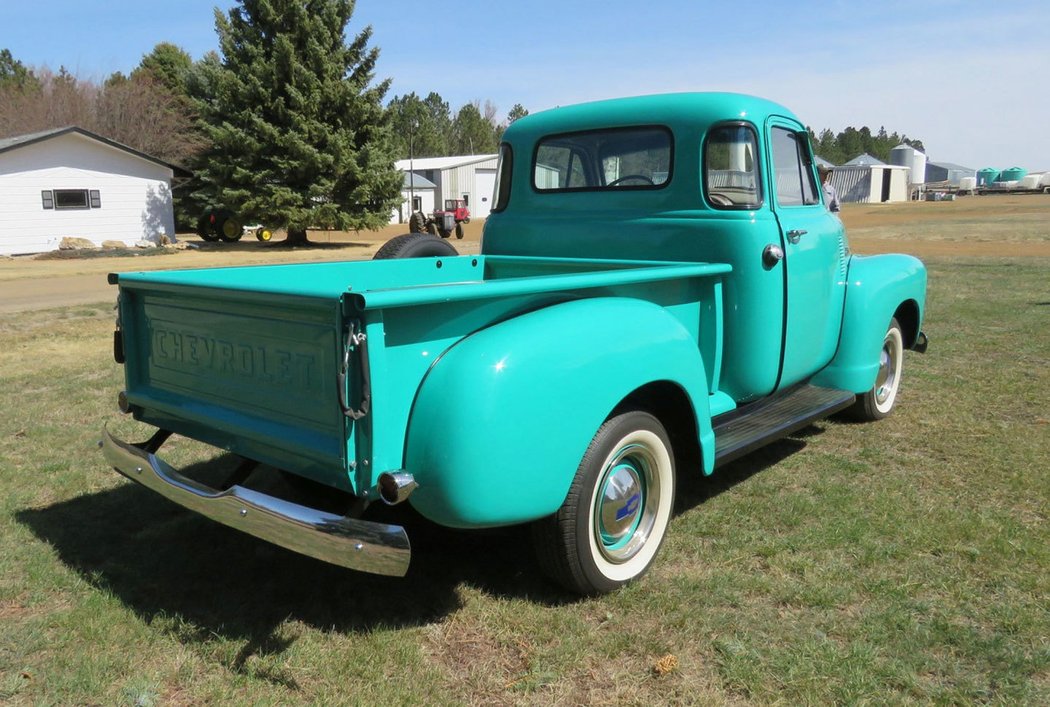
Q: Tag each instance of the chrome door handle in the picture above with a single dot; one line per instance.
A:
(795, 234)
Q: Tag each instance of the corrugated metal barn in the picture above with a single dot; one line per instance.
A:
(870, 183)
(470, 177)
(948, 172)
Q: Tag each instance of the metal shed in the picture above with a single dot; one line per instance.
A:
(470, 177)
(948, 172)
(870, 183)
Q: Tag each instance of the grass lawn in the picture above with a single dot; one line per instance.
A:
(902, 561)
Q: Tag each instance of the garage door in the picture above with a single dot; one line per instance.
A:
(485, 183)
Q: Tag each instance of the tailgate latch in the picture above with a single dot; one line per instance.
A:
(356, 343)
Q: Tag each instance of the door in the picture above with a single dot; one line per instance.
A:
(485, 181)
(813, 240)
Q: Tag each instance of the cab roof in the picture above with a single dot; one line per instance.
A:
(676, 110)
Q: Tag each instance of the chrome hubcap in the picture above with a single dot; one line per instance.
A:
(625, 512)
(884, 382)
(621, 504)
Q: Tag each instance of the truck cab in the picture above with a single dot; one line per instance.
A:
(704, 177)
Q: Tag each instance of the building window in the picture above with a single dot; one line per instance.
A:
(71, 199)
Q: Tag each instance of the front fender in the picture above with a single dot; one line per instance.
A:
(877, 287)
(503, 418)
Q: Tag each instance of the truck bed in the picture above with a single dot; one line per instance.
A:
(248, 359)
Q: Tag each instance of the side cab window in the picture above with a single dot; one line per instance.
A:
(730, 166)
(792, 168)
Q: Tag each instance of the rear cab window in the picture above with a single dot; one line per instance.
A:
(615, 159)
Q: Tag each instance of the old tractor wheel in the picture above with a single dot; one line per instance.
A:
(206, 227)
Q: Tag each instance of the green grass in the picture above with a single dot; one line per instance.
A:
(902, 561)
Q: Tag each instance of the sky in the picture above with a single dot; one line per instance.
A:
(970, 79)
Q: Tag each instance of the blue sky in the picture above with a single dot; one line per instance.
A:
(968, 78)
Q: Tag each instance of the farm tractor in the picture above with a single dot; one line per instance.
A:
(217, 224)
(442, 223)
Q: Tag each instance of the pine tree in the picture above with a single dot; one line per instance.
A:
(299, 138)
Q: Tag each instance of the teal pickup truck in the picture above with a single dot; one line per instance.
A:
(660, 290)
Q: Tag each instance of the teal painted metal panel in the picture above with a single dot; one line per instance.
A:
(503, 418)
(253, 375)
(876, 287)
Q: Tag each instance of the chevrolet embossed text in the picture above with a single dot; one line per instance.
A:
(265, 364)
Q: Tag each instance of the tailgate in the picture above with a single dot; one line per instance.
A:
(245, 371)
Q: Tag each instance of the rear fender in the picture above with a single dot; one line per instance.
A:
(504, 417)
(877, 288)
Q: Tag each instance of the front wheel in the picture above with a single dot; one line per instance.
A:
(878, 402)
(612, 522)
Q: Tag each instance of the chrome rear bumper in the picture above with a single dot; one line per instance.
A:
(348, 542)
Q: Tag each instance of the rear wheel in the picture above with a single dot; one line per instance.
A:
(206, 228)
(614, 519)
(878, 402)
(459, 231)
(415, 245)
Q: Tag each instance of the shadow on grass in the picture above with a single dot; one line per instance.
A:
(201, 580)
(693, 491)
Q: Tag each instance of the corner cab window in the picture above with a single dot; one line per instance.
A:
(731, 168)
(501, 191)
(793, 169)
(627, 158)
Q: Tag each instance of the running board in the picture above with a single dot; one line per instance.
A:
(740, 432)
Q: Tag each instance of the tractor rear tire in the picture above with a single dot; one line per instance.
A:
(415, 245)
(206, 228)
(459, 231)
(417, 222)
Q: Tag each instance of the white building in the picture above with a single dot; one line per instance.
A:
(866, 179)
(71, 182)
(418, 188)
(470, 177)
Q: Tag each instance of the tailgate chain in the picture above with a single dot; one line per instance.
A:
(356, 340)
